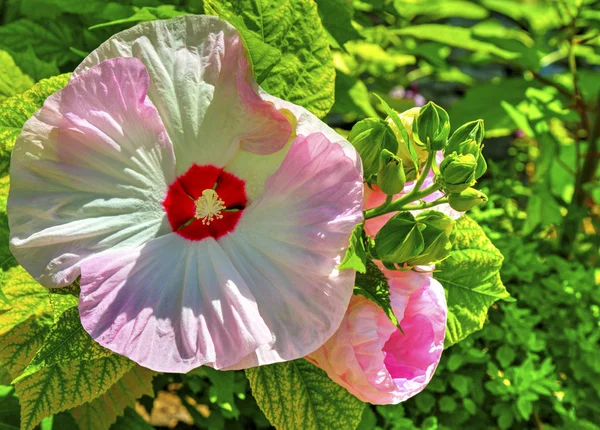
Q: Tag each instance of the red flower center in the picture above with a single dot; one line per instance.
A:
(205, 202)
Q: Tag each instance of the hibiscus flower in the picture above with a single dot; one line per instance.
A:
(205, 218)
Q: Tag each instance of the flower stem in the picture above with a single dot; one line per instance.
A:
(425, 205)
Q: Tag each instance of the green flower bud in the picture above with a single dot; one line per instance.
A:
(457, 172)
(466, 199)
(432, 127)
(390, 177)
(369, 137)
(400, 239)
(407, 119)
(436, 237)
(467, 140)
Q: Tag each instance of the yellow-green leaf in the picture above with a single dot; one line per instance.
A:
(299, 396)
(12, 79)
(471, 278)
(64, 386)
(17, 109)
(101, 413)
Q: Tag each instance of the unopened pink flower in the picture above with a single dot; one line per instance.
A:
(205, 218)
(372, 358)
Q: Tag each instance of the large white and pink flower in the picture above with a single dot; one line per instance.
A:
(205, 218)
(372, 358)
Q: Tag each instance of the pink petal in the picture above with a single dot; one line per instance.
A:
(371, 358)
(202, 86)
(171, 305)
(289, 243)
(89, 172)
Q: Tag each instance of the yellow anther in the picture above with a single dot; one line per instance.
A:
(209, 207)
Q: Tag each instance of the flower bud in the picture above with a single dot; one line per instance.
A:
(369, 137)
(390, 177)
(466, 199)
(407, 119)
(457, 172)
(432, 127)
(467, 140)
(400, 239)
(436, 237)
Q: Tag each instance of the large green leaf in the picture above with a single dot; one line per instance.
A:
(299, 396)
(64, 386)
(337, 20)
(145, 14)
(303, 73)
(12, 79)
(471, 278)
(101, 413)
(33, 66)
(17, 109)
(50, 40)
(433, 10)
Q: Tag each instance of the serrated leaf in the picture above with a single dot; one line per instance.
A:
(62, 299)
(304, 73)
(374, 286)
(297, 395)
(66, 341)
(33, 66)
(102, 412)
(50, 40)
(471, 277)
(64, 386)
(12, 79)
(356, 255)
(17, 109)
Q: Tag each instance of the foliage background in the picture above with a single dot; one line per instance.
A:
(530, 69)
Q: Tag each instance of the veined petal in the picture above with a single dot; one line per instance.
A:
(171, 305)
(289, 243)
(374, 360)
(89, 173)
(202, 86)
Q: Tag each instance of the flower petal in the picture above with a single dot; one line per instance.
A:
(171, 305)
(202, 86)
(289, 243)
(371, 358)
(89, 172)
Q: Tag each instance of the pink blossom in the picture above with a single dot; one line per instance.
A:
(372, 358)
(205, 218)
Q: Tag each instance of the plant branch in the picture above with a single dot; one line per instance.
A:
(425, 205)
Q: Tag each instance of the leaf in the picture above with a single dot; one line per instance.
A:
(352, 97)
(59, 387)
(336, 16)
(457, 37)
(356, 255)
(144, 14)
(434, 10)
(374, 286)
(67, 341)
(298, 395)
(17, 109)
(131, 420)
(102, 412)
(50, 40)
(304, 73)
(12, 79)
(30, 64)
(471, 278)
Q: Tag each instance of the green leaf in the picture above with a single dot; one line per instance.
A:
(337, 19)
(471, 278)
(131, 420)
(12, 79)
(457, 37)
(433, 10)
(67, 341)
(298, 395)
(356, 255)
(50, 40)
(374, 286)
(102, 412)
(144, 14)
(304, 73)
(63, 386)
(31, 65)
(17, 109)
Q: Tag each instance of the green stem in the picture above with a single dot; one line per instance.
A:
(426, 169)
(398, 204)
(425, 205)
